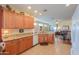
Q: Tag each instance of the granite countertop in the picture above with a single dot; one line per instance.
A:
(16, 36)
(20, 35)
(47, 33)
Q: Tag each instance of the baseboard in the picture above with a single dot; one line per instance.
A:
(35, 45)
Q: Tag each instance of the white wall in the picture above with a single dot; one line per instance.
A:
(75, 32)
(65, 22)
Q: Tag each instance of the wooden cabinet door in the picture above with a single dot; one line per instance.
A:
(30, 41)
(28, 22)
(21, 45)
(46, 37)
(50, 38)
(25, 22)
(25, 43)
(1, 16)
(0, 35)
(18, 20)
(17, 46)
(11, 47)
(40, 38)
(8, 22)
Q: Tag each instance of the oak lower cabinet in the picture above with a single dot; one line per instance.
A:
(0, 35)
(20, 45)
(25, 43)
(17, 46)
(49, 38)
(42, 38)
(29, 42)
(11, 47)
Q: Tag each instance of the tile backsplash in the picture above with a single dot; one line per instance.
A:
(10, 34)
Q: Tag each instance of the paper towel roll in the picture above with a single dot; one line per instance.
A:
(2, 45)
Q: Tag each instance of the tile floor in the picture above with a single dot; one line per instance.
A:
(48, 50)
(58, 48)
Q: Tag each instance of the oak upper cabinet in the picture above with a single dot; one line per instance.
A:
(13, 20)
(28, 22)
(1, 16)
(25, 23)
(8, 21)
(18, 20)
(31, 22)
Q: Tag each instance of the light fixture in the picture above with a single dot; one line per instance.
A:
(35, 11)
(67, 5)
(35, 24)
(29, 7)
(45, 25)
(40, 14)
(59, 27)
(5, 31)
(40, 24)
(57, 22)
(54, 28)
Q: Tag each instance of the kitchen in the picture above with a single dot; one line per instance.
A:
(23, 29)
(18, 31)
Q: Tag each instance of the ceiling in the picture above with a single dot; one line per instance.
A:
(53, 11)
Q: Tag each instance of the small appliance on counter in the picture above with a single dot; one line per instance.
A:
(21, 30)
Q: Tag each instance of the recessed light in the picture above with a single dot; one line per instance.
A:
(57, 22)
(45, 25)
(40, 13)
(40, 24)
(29, 7)
(35, 11)
(54, 28)
(35, 24)
(5, 31)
